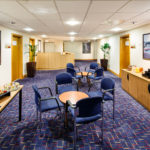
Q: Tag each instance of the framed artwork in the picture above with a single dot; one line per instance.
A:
(146, 46)
(0, 48)
(86, 47)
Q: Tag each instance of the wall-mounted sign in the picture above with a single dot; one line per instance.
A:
(14, 43)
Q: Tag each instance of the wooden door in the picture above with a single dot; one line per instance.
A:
(31, 42)
(17, 57)
(125, 81)
(133, 89)
(124, 52)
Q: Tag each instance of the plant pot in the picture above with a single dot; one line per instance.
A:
(104, 63)
(31, 69)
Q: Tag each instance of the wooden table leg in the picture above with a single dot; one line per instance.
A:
(20, 105)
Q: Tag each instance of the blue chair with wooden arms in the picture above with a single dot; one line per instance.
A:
(86, 111)
(107, 92)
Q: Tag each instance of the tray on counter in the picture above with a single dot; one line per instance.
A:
(4, 94)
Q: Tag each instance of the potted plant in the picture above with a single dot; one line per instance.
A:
(104, 62)
(31, 65)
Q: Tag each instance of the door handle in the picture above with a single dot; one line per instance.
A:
(149, 88)
(127, 76)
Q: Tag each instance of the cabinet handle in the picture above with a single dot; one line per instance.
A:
(127, 76)
(149, 88)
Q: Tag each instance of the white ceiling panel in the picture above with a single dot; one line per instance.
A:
(137, 6)
(72, 6)
(106, 6)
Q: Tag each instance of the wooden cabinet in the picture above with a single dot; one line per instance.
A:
(137, 86)
(125, 80)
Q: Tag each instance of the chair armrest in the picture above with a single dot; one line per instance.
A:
(49, 98)
(50, 91)
(70, 104)
(109, 90)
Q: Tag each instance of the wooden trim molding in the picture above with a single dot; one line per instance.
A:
(85, 59)
(113, 72)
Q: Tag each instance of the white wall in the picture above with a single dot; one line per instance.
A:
(136, 54)
(58, 44)
(5, 67)
(76, 48)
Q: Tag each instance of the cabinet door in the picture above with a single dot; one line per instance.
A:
(133, 90)
(125, 80)
(143, 94)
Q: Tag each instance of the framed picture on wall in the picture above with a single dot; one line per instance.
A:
(146, 46)
(0, 48)
(86, 47)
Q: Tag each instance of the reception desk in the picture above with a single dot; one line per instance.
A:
(53, 60)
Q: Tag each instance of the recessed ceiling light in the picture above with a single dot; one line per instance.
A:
(28, 29)
(116, 29)
(100, 36)
(72, 33)
(72, 38)
(44, 36)
(94, 38)
(72, 22)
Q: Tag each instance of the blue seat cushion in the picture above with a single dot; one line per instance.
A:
(78, 76)
(65, 88)
(82, 120)
(99, 93)
(49, 105)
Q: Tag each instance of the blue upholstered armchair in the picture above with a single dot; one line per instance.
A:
(97, 75)
(107, 92)
(93, 66)
(64, 83)
(73, 73)
(45, 104)
(86, 111)
(70, 65)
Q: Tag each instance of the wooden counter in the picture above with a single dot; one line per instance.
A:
(53, 60)
(137, 86)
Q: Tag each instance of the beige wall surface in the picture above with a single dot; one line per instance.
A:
(76, 48)
(5, 67)
(136, 54)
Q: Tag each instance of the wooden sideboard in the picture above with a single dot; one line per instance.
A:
(137, 86)
(53, 60)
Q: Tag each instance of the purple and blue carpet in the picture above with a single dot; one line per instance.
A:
(130, 130)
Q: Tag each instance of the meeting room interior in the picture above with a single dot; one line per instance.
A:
(74, 74)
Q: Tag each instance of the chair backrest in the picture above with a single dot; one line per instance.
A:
(70, 65)
(37, 94)
(63, 78)
(89, 106)
(99, 72)
(71, 71)
(108, 83)
(93, 65)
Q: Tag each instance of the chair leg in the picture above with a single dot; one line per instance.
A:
(74, 140)
(37, 114)
(113, 109)
(40, 122)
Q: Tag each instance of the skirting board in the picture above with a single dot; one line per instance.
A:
(113, 72)
(85, 59)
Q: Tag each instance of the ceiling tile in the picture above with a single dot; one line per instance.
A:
(71, 6)
(106, 6)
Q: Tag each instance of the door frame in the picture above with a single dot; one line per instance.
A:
(121, 37)
(21, 56)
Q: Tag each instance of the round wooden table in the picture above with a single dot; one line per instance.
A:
(74, 97)
(85, 74)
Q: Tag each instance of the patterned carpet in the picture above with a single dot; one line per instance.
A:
(130, 130)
